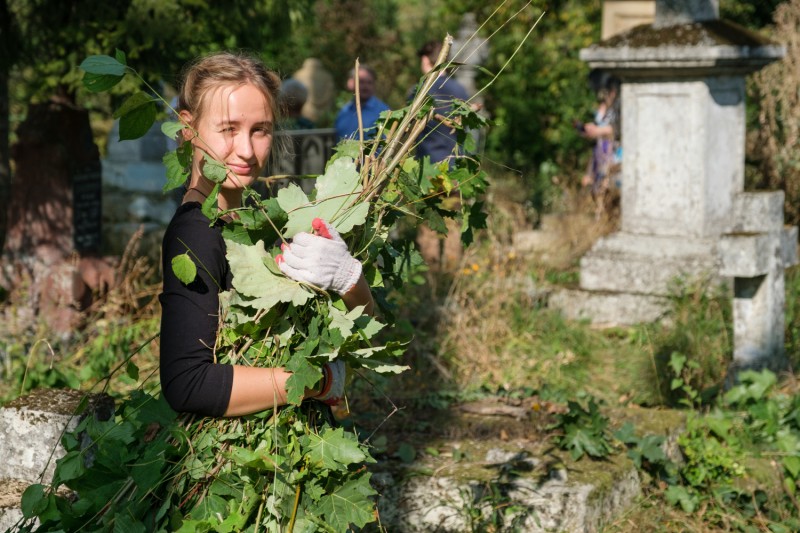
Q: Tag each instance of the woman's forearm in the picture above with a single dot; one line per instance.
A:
(360, 294)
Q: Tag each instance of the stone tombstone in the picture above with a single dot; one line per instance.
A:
(321, 89)
(684, 210)
(133, 179)
(306, 154)
(55, 199)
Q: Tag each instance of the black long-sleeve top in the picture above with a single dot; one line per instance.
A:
(190, 379)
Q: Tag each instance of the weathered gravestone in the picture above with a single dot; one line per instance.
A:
(684, 210)
(54, 217)
(321, 89)
(133, 179)
(31, 428)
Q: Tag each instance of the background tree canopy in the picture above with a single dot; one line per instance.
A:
(533, 103)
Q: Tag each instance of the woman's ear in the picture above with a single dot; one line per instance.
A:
(186, 132)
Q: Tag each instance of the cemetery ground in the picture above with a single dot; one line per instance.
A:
(493, 366)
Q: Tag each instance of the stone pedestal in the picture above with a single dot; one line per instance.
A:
(684, 212)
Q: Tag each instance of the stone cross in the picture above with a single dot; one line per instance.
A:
(755, 254)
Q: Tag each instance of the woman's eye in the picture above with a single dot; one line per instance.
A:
(263, 131)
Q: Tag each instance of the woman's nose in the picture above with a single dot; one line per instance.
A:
(244, 147)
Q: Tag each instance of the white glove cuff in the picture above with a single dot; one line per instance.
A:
(347, 276)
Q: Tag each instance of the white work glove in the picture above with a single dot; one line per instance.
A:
(321, 259)
(333, 383)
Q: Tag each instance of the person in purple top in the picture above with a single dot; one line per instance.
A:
(437, 140)
(346, 123)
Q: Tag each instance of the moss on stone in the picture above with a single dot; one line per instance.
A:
(708, 33)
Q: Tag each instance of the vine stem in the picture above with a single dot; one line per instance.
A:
(297, 492)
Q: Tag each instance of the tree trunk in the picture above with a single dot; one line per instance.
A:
(7, 58)
(5, 168)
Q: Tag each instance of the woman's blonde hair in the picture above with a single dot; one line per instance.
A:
(206, 74)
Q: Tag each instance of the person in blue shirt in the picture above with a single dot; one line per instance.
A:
(438, 140)
(346, 123)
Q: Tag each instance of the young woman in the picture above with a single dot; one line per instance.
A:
(231, 103)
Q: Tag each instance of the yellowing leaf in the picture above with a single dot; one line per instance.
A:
(184, 268)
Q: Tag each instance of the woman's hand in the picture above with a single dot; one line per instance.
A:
(320, 259)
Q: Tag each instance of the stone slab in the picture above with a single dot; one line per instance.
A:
(424, 504)
(757, 211)
(645, 264)
(30, 432)
(745, 254)
(608, 308)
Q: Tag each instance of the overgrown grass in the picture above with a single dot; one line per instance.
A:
(485, 328)
(120, 325)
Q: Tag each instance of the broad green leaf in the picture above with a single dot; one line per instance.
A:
(344, 322)
(98, 83)
(349, 504)
(69, 467)
(259, 459)
(263, 224)
(132, 103)
(34, 501)
(132, 370)
(253, 279)
(652, 448)
(304, 376)
(119, 55)
(172, 128)
(368, 326)
(125, 523)
(678, 495)
(184, 268)
(214, 170)
(792, 466)
(626, 433)
(147, 474)
(334, 449)
(137, 122)
(177, 174)
(102, 64)
(337, 189)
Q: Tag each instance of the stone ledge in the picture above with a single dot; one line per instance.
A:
(608, 308)
(525, 472)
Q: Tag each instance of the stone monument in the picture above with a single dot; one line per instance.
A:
(54, 240)
(684, 210)
(133, 180)
(321, 89)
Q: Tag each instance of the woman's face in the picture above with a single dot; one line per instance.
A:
(235, 128)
